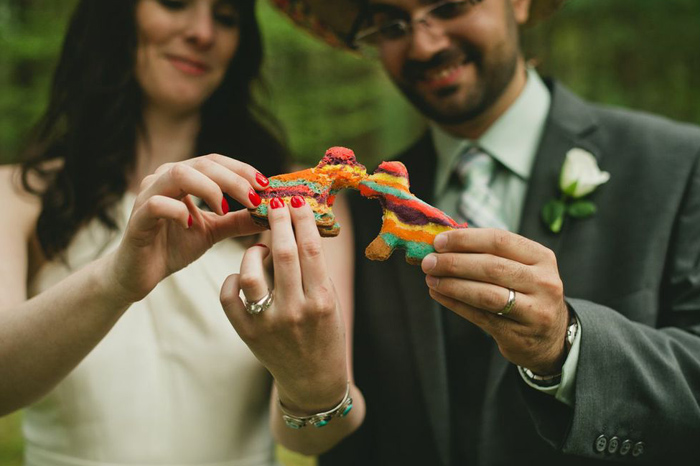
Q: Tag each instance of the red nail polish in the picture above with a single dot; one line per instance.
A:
(260, 245)
(262, 180)
(224, 205)
(254, 198)
(189, 221)
(276, 203)
(298, 201)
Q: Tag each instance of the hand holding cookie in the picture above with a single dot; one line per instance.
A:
(472, 273)
(300, 336)
(167, 230)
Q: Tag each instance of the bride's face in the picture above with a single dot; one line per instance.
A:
(184, 49)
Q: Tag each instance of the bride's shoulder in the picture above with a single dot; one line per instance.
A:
(20, 204)
(16, 202)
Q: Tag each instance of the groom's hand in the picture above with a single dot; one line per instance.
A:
(471, 274)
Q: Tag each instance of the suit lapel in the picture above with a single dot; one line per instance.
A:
(568, 125)
(421, 312)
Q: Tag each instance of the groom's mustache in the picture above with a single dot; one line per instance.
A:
(414, 70)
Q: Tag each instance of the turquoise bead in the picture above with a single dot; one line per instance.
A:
(347, 410)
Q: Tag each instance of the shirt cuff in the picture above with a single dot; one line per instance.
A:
(564, 390)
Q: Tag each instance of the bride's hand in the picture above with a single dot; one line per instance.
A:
(167, 231)
(300, 338)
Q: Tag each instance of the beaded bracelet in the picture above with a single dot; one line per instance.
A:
(318, 419)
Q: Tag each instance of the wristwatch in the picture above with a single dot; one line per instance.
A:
(571, 332)
(555, 379)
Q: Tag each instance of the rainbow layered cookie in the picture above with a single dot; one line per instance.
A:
(337, 170)
(407, 222)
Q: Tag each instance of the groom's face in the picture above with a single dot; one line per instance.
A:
(453, 69)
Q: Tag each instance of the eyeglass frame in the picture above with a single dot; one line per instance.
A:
(406, 24)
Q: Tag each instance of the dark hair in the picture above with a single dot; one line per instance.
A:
(94, 114)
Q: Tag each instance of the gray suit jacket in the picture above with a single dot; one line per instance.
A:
(631, 273)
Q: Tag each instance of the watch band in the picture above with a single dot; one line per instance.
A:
(555, 379)
(542, 380)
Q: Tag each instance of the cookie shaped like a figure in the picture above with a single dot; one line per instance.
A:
(337, 170)
(407, 222)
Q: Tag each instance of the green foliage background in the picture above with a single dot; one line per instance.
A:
(642, 54)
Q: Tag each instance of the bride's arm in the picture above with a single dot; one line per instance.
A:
(44, 338)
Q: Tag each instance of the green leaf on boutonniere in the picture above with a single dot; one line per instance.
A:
(571, 189)
(553, 214)
(581, 209)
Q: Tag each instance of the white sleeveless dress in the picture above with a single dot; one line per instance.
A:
(170, 384)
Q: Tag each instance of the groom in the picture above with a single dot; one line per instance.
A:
(555, 339)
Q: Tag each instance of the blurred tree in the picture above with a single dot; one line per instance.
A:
(31, 33)
(636, 53)
(641, 54)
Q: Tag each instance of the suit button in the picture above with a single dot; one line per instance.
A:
(625, 447)
(638, 449)
(600, 444)
(613, 445)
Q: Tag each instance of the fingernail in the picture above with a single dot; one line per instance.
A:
(254, 198)
(440, 241)
(224, 205)
(429, 263)
(189, 221)
(262, 179)
(276, 203)
(261, 245)
(432, 281)
(298, 201)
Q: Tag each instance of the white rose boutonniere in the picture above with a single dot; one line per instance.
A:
(579, 177)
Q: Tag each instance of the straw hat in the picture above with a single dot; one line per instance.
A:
(332, 20)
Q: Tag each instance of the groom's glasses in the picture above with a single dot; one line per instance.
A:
(386, 29)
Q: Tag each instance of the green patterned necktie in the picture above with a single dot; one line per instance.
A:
(477, 204)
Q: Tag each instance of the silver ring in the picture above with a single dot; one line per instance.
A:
(509, 304)
(256, 307)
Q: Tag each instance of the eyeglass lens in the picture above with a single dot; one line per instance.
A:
(386, 27)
